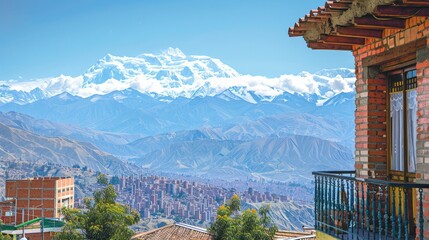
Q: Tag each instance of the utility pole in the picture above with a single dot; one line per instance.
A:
(43, 223)
(23, 226)
(15, 208)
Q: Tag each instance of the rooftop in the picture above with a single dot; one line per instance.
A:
(343, 24)
(282, 235)
(178, 231)
(40, 178)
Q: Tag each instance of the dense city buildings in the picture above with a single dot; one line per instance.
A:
(181, 199)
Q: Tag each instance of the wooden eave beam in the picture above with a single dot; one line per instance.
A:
(301, 26)
(337, 5)
(324, 16)
(333, 11)
(359, 32)
(329, 46)
(295, 33)
(342, 40)
(313, 13)
(401, 11)
(416, 2)
(313, 19)
(317, 14)
(371, 22)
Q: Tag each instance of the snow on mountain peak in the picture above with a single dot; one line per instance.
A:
(174, 52)
(108, 57)
(172, 74)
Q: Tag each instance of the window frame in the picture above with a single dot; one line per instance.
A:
(396, 174)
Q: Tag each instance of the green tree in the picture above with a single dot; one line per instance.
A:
(249, 225)
(104, 219)
(4, 236)
(235, 203)
(115, 180)
(102, 179)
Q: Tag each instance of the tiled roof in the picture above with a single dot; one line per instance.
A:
(280, 235)
(342, 24)
(178, 231)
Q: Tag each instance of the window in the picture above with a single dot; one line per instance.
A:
(403, 120)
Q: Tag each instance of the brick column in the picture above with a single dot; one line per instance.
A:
(422, 170)
(370, 119)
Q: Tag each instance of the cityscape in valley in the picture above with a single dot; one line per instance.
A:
(195, 202)
(177, 156)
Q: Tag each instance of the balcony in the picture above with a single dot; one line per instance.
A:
(347, 207)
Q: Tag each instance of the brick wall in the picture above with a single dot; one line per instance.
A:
(38, 236)
(371, 96)
(372, 99)
(30, 192)
(5, 208)
(422, 66)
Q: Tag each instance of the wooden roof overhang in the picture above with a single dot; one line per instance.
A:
(343, 24)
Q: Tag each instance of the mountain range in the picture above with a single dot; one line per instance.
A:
(171, 74)
(18, 145)
(189, 115)
(137, 113)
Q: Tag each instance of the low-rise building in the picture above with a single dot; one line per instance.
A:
(34, 201)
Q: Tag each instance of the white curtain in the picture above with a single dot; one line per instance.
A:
(397, 120)
(412, 128)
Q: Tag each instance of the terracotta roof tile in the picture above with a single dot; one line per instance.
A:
(175, 232)
(294, 234)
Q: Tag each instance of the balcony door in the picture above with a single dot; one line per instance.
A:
(403, 139)
(403, 123)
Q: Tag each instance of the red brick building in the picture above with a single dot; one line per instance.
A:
(36, 198)
(387, 194)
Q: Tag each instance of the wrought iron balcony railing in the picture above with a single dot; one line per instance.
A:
(347, 207)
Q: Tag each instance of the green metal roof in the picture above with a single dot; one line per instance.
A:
(48, 223)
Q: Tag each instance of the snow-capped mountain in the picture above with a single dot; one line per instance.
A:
(171, 65)
(171, 74)
(196, 115)
(18, 96)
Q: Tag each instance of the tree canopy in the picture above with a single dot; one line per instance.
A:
(249, 225)
(103, 219)
(3, 236)
(115, 180)
(102, 179)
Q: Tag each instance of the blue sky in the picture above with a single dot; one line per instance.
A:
(48, 38)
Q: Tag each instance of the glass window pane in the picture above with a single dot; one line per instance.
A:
(397, 123)
(412, 129)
